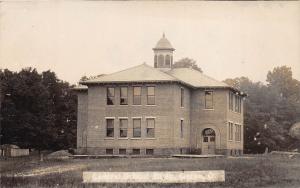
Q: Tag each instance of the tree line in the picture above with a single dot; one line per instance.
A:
(38, 110)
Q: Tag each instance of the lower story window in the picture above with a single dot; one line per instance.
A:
(136, 151)
(149, 151)
(109, 151)
(122, 151)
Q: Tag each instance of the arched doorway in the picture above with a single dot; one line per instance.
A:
(208, 141)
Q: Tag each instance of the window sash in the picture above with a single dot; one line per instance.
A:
(150, 128)
(109, 128)
(137, 92)
(110, 96)
(150, 95)
(182, 97)
(136, 127)
(181, 128)
(208, 100)
(123, 96)
(123, 127)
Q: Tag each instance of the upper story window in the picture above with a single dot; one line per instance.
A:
(238, 104)
(155, 61)
(110, 96)
(136, 128)
(123, 128)
(209, 100)
(123, 96)
(230, 131)
(137, 92)
(182, 97)
(109, 127)
(231, 96)
(238, 132)
(150, 133)
(150, 95)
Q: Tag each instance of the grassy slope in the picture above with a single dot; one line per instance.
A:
(255, 172)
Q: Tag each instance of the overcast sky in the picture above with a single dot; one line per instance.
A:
(76, 38)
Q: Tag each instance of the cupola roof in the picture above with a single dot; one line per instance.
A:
(163, 44)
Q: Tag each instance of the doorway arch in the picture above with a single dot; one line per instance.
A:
(208, 143)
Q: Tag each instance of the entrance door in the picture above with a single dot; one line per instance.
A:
(208, 141)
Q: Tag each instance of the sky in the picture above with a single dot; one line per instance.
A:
(76, 38)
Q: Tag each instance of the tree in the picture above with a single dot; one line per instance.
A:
(270, 110)
(37, 110)
(187, 63)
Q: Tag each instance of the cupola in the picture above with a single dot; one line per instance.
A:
(163, 54)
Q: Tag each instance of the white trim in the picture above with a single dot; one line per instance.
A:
(150, 104)
(122, 117)
(136, 117)
(181, 118)
(123, 138)
(110, 117)
(109, 138)
(136, 138)
(208, 109)
(150, 117)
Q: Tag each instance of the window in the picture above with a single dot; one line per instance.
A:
(238, 132)
(122, 151)
(238, 104)
(150, 95)
(137, 91)
(231, 101)
(161, 61)
(110, 96)
(205, 139)
(168, 60)
(123, 128)
(109, 128)
(150, 128)
(136, 151)
(230, 131)
(181, 128)
(109, 151)
(137, 128)
(182, 97)
(149, 151)
(208, 100)
(155, 61)
(123, 96)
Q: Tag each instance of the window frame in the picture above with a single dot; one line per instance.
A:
(230, 131)
(110, 98)
(122, 97)
(133, 128)
(133, 95)
(120, 119)
(149, 96)
(182, 97)
(147, 127)
(212, 100)
(181, 127)
(107, 128)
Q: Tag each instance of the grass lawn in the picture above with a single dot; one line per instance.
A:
(257, 171)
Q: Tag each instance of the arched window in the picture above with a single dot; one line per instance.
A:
(160, 61)
(155, 61)
(168, 60)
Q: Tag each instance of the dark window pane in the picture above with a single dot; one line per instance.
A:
(150, 90)
(168, 60)
(182, 97)
(110, 128)
(212, 139)
(136, 151)
(150, 132)
(122, 151)
(205, 139)
(123, 133)
(137, 100)
(137, 91)
(149, 151)
(151, 100)
(160, 61)
(109, 151)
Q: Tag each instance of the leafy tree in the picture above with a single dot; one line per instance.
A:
(37, 110)
(187, 63)
(270, 110)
